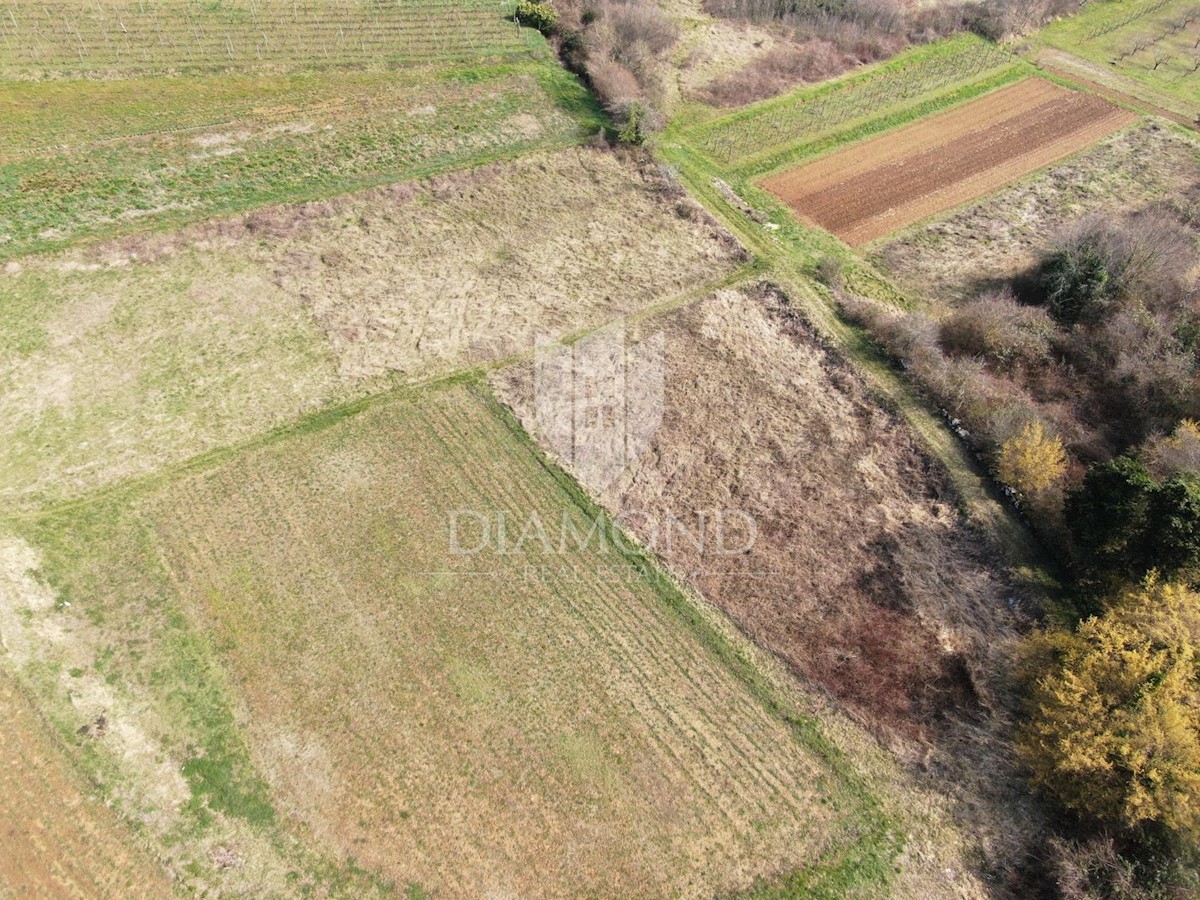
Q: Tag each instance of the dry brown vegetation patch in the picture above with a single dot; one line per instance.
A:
(471, 268)
(141, 352)
(862, 577)
(870, 189)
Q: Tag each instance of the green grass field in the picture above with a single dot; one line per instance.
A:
(1151, 44)
(109, 37)
(811, 119)
(86, 159)
(294, 631)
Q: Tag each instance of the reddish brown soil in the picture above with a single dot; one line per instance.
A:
(869, 190)
(55, 840)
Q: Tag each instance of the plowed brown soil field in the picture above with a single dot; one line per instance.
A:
(872, 189)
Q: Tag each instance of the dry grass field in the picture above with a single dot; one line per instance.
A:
(860, 575)
(518, 721)
(57, 840)
(952, 259)
(868, 190)
(141, 352)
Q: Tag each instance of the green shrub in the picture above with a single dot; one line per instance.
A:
(1125, 524)
(636, 128)
(1078, 284)
(1173, 538)
(1108, 516)
(536, 15)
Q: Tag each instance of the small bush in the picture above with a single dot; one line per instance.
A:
(642, 24)
(1094, 869)
(1124, 524)
(1173, 538)
(1108, 516)
(999, 329)
(618, 47)
(778, 70)
(614, 85)
(533, 14)
(831, 273)
(636, 124)
(1079, 280)
(1032, 462)
(1176, 454)
(991, 409)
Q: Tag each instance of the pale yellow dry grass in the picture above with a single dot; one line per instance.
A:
(136, 354)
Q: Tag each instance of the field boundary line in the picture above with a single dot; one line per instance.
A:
(167, 222)
(330, 415)
(1024, 179)
(1120, 98)
(783, 257)
(879, 838)
(778, 159)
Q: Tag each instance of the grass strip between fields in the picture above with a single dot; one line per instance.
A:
(137, 181)
(788, 253)
(869, 858)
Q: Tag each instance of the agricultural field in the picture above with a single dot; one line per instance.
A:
(58, 839)
(868, 190)
(123, 37)
(88, 159)
(298, 631)
(300, 594)
(954, 258)
(806, 120)
(1147, 48)
(141, 352)
(896, 611)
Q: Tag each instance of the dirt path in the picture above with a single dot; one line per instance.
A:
(1043, 63)
(869, 190)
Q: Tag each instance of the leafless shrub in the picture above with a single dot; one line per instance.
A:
(639, 23)
(1000, 330)
(990, 408)
(1174, 454)
(618, 46)
(831, 273)
(1159, 252)
(911, 339)
(777, 70)
(614, 84)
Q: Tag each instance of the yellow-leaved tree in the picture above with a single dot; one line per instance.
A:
(1032, 461)
(1113, 726)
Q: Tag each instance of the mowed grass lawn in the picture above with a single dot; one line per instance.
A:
(517, 721)
(87, 158)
